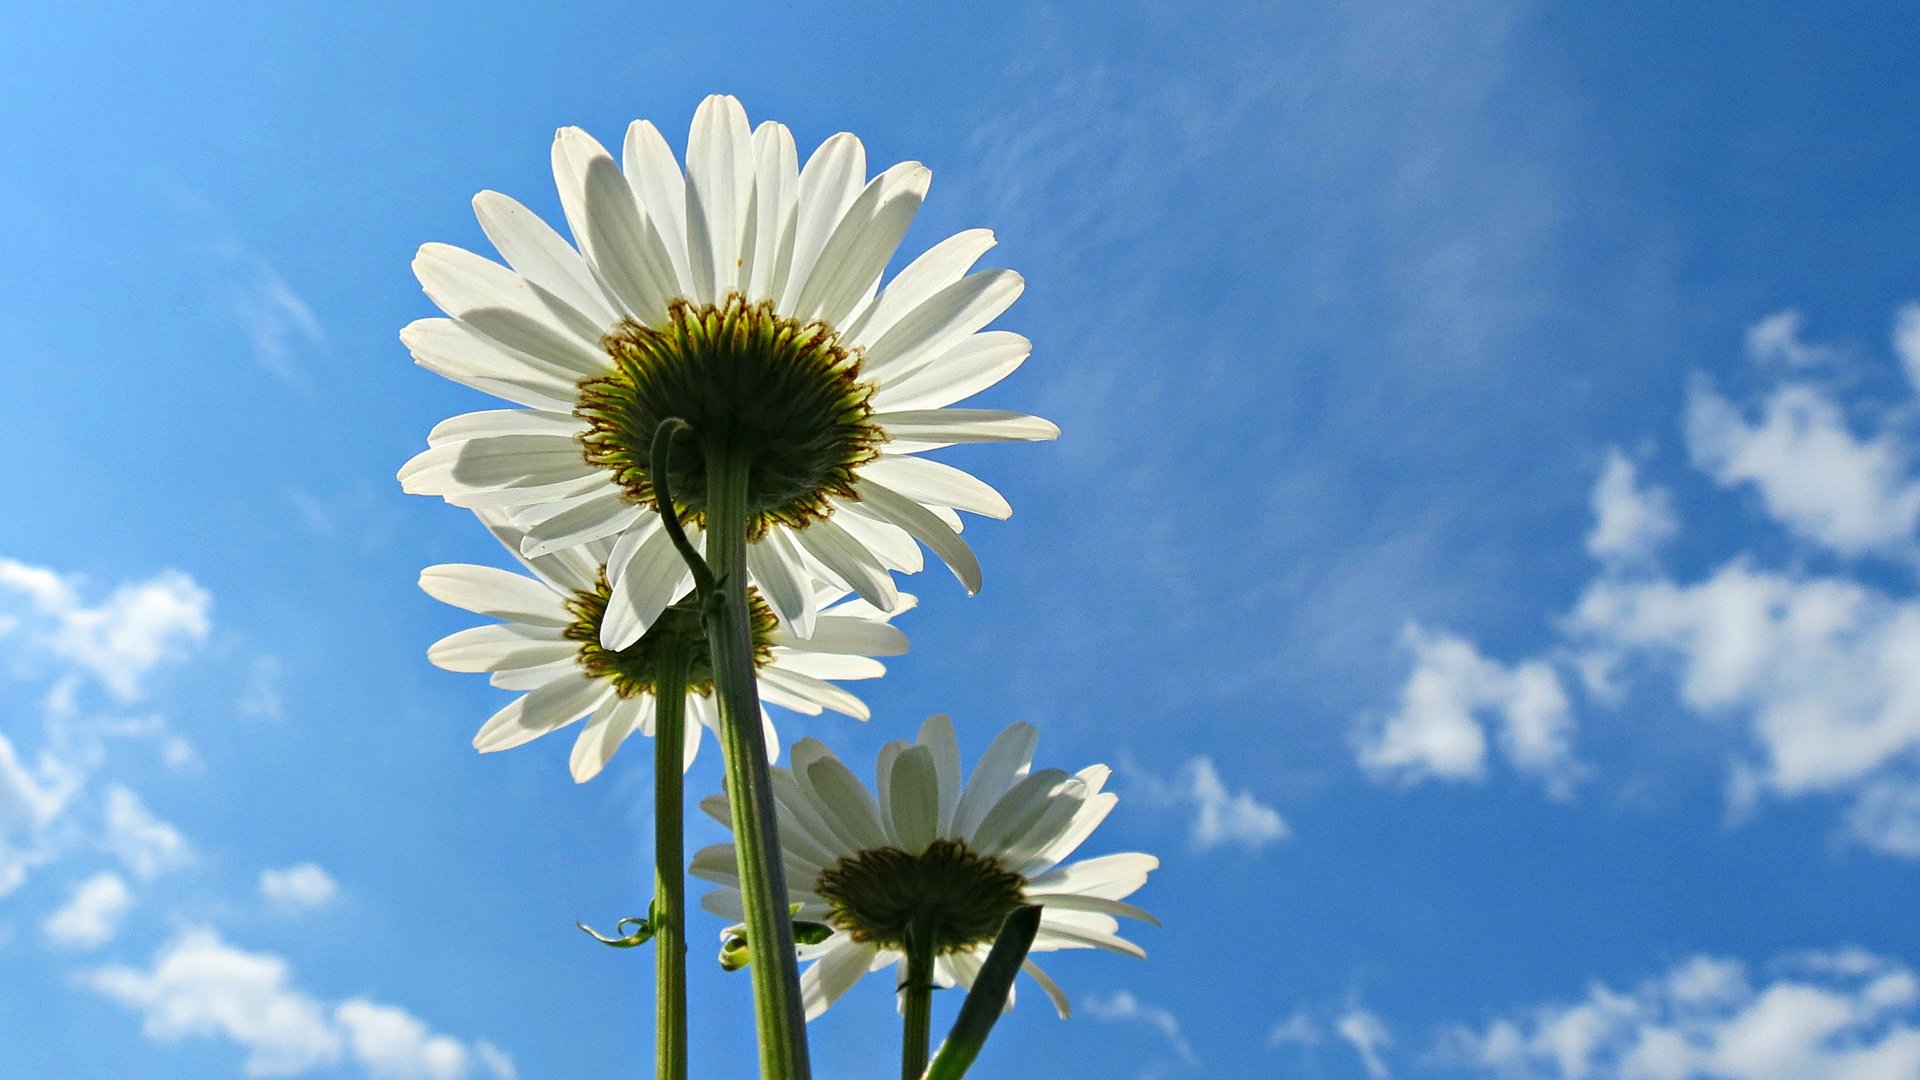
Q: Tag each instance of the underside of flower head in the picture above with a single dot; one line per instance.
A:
(948, 891)
(636, 668)
(781, 394)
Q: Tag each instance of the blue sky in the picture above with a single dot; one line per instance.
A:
(1483, 537)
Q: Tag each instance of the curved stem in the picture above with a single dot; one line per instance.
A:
(763, 886)
(917, 988)
(669, 874)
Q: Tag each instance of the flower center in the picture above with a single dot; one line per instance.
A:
(751, 383)
(636, 669)
(961, 895)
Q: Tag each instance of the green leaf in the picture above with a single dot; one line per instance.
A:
(988, 998)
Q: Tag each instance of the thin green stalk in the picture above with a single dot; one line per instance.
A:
(988, 998)
(669, 878)
(763, 887)
(917, 1027)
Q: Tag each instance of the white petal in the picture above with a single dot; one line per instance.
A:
(961, 372)
(782, 580)
(927, 481)
(719, 185)
(1100, 904)
(1054, 936)
(1016, 812)
(847, 802)
(540, 255)
(452, 350)
(507, 308)
(936, 734)
(533, 678)
(827, 665)
(832, 975)
(532, 715)
(661, 191)
(1052, 989)
(500, 645)
(612, 722)
(503, 461)
(1112, 876)
(652, 576)
(862, 243)
(941, 322)
(853, 637)
(829, 184)
(914, 797)
(1005, 761)
(622, 247)
(812, 689)
(936, 268)
(496, 593)
(850, 560)
(889, 543)
(476, 425)
(941, 427)
(1086, 819)
(776, 187)
(926, 527)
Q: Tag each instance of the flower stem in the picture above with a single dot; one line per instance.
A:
(917, 1025)
(763, 887)
(669, 879)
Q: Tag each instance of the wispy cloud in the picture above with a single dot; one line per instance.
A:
(1122, 1007)
(306, 885)
(1368, 1036)
(1221, 817)
(91, 916)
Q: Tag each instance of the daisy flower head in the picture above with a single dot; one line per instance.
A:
(924, 849)
(547, 644)
(744, 296)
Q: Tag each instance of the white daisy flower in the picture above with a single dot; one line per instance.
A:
(925, 846)
(548, 644)
(744, 297)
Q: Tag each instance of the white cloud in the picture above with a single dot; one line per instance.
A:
(1296, 1030)
(305, 885)
(1813, 474)
(1630, 522)
(200, 986)
(1778, 339)
(278, 323)
(1886, 817)
(261, 698)
(91, 917)
(1221, 817)
(1844, 1015)
(32, 800)
(394, 1045)
(119, 641)
(147, 845)
(1821, 668)
(1368, 1036)
(1906, 341)
(1438, 732)
(1123, 1007)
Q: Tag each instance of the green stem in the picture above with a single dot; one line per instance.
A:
(763, 887)
(669, 860)
(917, 1027)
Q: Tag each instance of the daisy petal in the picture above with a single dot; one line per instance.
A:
(862, 243)
(1111, 876)
(943, 321)
(534, 714)
(850, 559)
(661, 191)
(914, 799)
(537, 253)
(926, 527)
(961, 372)
(500, 645)
(1051, 988)
(941, 427)
(927, 481)
(832, 975)
(1005, 761)
(496, 593)
(829, 184)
